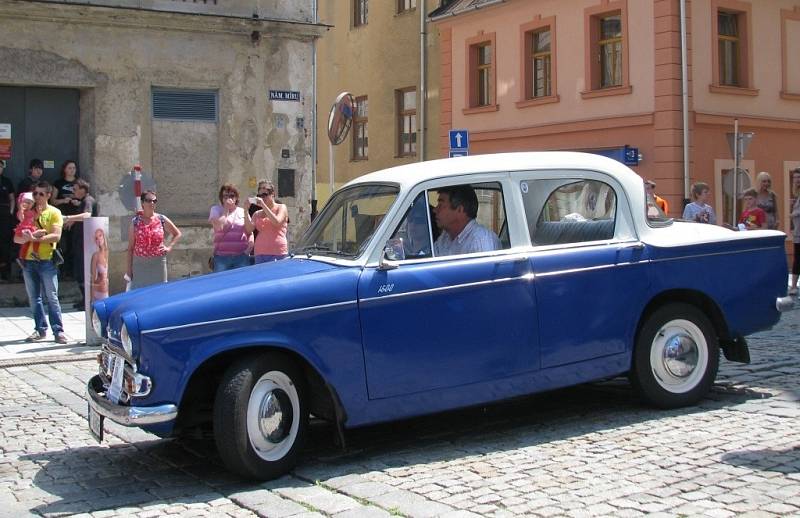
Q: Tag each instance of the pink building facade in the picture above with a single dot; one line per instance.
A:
(599, 75)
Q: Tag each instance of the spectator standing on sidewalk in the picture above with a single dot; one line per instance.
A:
(767, 200)
(35, 169)
(795, 222)
(87, 208)
(64, 200)
(699, 210)
(650, 187)
(753, 217)
(147, 248)
(6, 224)
(271, 222)
(39, 269)
(231, 238)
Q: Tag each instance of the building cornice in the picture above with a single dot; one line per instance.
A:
(719, 119)
(137, 18)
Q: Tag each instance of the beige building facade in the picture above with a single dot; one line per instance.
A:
(600, 75)
(381, 52)
(198, 93)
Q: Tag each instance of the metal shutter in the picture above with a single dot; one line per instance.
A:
(186, 105)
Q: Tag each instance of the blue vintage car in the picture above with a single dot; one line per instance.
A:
(386, 310)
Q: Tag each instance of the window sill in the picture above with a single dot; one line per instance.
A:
(537, 101)
(732, 90)
(481, 109)
(607, 92)
(359, 159)
(406, 156)
(790, 97)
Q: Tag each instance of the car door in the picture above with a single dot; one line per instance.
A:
(589, 269)
(440, 322)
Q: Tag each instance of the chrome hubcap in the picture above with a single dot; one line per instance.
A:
(680, 355)
(275, 416)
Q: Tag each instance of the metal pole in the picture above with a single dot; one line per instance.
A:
(331, 173)
(735, 170)
(685, 101)
(423, 91)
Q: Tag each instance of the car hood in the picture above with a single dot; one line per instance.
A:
(251, 290)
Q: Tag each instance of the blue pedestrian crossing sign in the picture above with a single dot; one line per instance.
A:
(459, 140)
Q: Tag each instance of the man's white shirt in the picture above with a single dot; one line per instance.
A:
(474, 238)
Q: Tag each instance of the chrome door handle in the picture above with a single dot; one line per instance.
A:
(638, 245)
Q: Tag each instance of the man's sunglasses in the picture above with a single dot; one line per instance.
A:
(39, 193)
(265, 194)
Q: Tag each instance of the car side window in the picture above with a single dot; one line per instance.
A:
(485, 228)
(417, 229)
(569, 211)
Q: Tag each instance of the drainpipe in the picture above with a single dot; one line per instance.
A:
(423, 91)
(685, 103)
(315, 18)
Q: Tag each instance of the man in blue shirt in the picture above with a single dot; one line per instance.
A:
(456, 210)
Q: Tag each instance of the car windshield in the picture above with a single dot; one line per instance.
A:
(348, 221)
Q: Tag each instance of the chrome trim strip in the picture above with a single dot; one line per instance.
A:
(260, 315)
(526, 277)
(761, 249)
(128, 415)
(589, 268)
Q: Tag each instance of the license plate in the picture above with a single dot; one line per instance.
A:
(95, 424)
(117, 374)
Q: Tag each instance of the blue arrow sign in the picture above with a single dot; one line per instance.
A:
(459, 139)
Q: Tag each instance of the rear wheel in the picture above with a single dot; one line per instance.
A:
(676, 356)
(260, 416)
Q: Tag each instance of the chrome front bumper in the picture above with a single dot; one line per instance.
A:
(127, 415)
(784, 303)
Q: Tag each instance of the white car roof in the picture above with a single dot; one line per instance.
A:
(412, 174)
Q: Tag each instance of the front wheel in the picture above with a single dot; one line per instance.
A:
(260, 416)
(676, 357)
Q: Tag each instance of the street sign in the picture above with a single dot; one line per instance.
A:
(631, 155)
(284, 95)
(459, 140)
(744, 142)
(458, 152)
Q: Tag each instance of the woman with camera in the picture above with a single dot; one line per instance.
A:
(271, 221)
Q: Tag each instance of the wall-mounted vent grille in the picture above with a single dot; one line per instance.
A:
(185, 105)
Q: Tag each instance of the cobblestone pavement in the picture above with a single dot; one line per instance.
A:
(586, 451)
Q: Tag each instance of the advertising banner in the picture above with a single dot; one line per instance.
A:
(5, 141)
(95, 269)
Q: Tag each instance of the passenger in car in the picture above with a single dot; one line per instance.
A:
(456, 210)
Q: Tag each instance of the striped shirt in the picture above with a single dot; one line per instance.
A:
(474, 238)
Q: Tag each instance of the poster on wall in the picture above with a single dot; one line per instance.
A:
(95, 269)
(5, 141)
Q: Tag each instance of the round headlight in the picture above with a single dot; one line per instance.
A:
(97, 325)
(127, 344)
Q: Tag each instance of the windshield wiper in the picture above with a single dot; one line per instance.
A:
(326, 250)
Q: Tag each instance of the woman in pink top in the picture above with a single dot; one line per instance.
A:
(231, 235)
(147, 251)
(271, 222)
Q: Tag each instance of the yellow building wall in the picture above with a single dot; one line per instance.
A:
(375, 60)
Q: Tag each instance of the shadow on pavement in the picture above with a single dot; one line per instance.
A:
(780, 461)
(188, 470)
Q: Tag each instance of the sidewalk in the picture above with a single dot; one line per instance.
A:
(16, 324)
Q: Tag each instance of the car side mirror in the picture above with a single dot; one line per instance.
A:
(393, 251)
